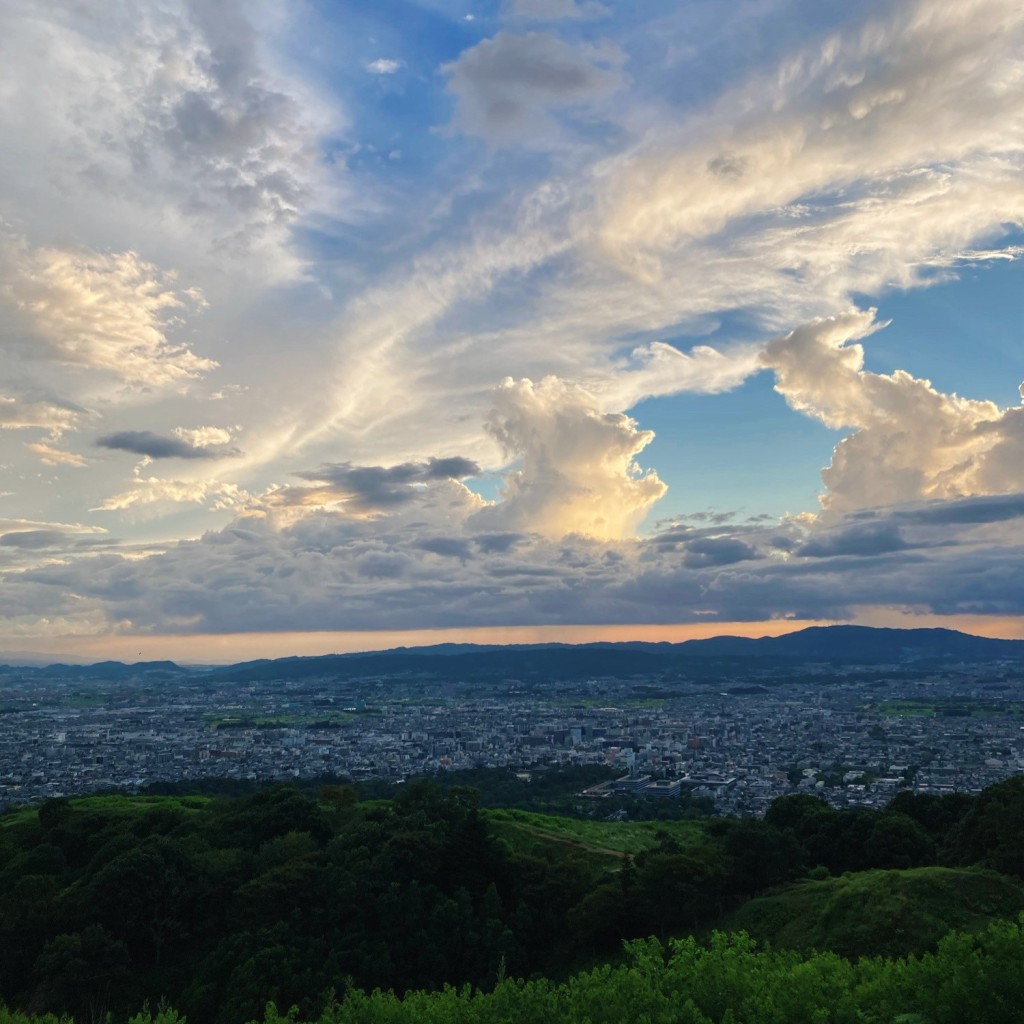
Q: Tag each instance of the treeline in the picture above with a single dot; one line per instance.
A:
(548, 790)
(976, 978)
(219, 905)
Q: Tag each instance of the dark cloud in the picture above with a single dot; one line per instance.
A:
(332, 570)
(983, 509)
(376, 488)
(859, 539)
(448, 547)
(709, 551)
(33, 539)
(505, 85)
(498, 543)
(161, 446)
(455, 468)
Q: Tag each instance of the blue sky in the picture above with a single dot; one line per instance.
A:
(328, 322)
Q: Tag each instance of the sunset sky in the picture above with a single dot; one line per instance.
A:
(334, 325)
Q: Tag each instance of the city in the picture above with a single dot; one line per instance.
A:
(852, 734)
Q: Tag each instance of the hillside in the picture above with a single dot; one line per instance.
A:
(879, 912)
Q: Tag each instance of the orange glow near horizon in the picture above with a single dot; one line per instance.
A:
(233, 647)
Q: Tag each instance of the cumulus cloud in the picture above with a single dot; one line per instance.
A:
(111, 312)
(579, 473)
(183, 445)
(507, 86)
(910, 441)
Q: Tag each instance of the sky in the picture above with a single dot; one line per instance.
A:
(329, 325)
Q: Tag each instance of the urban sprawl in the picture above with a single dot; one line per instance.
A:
(855, 736)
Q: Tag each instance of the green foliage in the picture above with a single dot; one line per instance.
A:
(222, 904)
(871, 912)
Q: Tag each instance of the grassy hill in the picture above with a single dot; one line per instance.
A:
(879, 912)
(607, 841)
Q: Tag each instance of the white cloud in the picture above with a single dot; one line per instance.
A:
(661, 369)
(147, 491)
(384, 66)
(204, 437)
(26, 413)
(160, 122)
(51, 456)
(911, 441)
(890, 143)
(110, 312)
(579, 473)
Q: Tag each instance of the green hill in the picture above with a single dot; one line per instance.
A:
(879, 912)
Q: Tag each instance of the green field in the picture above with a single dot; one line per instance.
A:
(945, 708)
(526, 831)
(113, 803)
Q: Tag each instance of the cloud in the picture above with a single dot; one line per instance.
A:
(507, 86)
(710, 551)
(368, 490)
(383, 66)
(579, 473)
(425, 565)
(109, 312)
(150, 491)
(744, 212)
(184, 446)
(556, 10)
(988, 509)
(26, 413)
(911, 441)
(828, 168)
(657, 368)
(10, 525)
(861, 539)
(51, 456)
(169, 115)
(32, 539)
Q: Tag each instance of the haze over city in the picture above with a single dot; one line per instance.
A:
(335, 326)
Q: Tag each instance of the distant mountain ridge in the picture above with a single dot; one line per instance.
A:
(837, 645)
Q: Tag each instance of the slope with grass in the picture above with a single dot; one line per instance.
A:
(608, 841)
(879, 912)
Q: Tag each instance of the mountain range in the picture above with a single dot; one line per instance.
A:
(834, 645)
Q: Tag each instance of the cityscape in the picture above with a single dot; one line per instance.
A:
(855, 735)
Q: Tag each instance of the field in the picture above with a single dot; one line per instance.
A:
(526, 831)
(946, 708)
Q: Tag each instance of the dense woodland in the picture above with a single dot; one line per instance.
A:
(218, 905)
